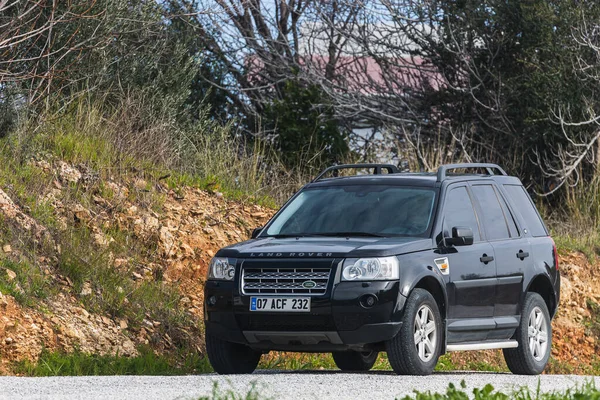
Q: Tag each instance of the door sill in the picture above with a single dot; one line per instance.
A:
(505, 344)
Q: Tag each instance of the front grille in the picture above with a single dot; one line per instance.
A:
(282, 281)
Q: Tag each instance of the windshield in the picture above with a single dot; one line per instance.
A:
(365, 210)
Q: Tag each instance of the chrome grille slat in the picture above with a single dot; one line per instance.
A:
(267, 275)
(280, 286)
(284, 281)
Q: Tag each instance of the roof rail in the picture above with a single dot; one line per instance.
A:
(441, 172)
(377, 168)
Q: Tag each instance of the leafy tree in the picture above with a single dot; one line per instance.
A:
(302, 124)
(505, 68)
(102, 48)
(259, 55)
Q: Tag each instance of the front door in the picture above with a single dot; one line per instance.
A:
(472, 272)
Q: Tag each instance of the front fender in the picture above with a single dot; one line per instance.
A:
(420, 271)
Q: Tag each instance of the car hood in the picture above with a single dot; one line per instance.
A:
(318, 247)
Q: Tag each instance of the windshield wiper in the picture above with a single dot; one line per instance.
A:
(349, 233)
(290, 235)
(326, 234)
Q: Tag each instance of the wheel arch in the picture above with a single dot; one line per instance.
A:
(541, 285)
(433, 286)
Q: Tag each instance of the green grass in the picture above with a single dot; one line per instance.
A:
(213, 183)
(556, 366)
(229, 394)
(574, 218)
(76, 256)
(587, 391)
(592, 326)
(445, 363)
(324, 361)
(311, 361)
(586, 242)
(81, 364)
(113, 290)
(30, 284)
(297, 361)
(208, 158)
(84, 139)
(72, 139)
(593, 322)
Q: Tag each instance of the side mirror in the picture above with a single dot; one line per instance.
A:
(461, 236)
(256, 232)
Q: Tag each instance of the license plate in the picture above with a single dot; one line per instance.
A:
(283, 304)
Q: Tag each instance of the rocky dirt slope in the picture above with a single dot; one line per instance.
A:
(164, 236)
(176, 234)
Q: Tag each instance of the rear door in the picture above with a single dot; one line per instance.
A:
(532, 227)
(512, 255)
(472, 282)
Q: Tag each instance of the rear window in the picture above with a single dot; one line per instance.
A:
(523, 202)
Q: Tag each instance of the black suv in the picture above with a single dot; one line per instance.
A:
(411, 264)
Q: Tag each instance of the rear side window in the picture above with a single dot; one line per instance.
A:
(510, 220)
(493, 218)
(523, 202)
(459, 212)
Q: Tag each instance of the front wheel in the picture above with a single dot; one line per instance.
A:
(534, 336)
(230, 358)
(416, 348)
(354, 360)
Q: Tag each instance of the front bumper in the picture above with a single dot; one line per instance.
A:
(338, 320)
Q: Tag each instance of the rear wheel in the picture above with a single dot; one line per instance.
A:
(416, 348)
(231, 358)
(354, 360)
(534, 336)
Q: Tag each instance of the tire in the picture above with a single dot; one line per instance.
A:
(416, 348)
(354, 360)
(230, 358)
(534, 336)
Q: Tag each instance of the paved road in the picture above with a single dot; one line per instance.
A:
(274, 384)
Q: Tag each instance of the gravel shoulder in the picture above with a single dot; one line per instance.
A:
(273, 384)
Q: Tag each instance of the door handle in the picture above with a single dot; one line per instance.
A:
(522, 255)
(486, 259)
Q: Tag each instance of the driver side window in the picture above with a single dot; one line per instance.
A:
(459, 212)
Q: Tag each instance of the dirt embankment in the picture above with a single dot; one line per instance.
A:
(144, 231)
(183, 229)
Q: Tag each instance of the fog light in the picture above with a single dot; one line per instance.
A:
(212, 300)
(368, 300)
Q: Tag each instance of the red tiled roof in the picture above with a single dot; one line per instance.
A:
(367, 75)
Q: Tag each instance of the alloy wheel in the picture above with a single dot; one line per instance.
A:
(425, 333)
(537, 333)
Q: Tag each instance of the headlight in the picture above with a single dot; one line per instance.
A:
(222, 269)
(371, 269)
